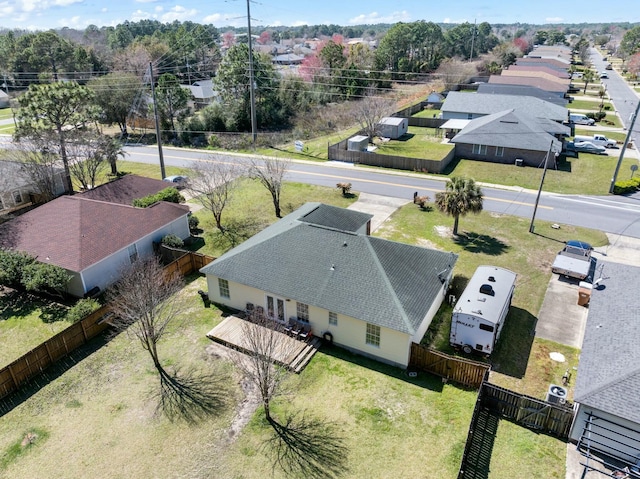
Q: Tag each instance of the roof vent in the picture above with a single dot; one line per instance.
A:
(333, 267)
(344, 244)
(487, 289)
(492, 279)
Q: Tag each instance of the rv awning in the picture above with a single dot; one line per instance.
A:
(454, 124)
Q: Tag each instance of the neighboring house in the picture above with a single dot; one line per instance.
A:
(288, 59)
(607, 419)
(468, 106)
(202, 92)
(511, 135)
(392, 127)
(92, 240)
(4, 100)
(537, 82)
(544, 61)
(125, 189)
(435, 99)
(538, 74)
(523, 90)
(319, 265)
(17, 189)
(539, 69)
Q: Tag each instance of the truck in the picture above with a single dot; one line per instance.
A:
(574, 261)
(600, 140)
(480, 313)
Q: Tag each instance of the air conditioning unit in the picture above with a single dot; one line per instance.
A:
(556, 394)
(519, 162)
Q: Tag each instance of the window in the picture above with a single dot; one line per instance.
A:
(133, 253)
(486, 327)
(499, 150)
(469, 116)
(303, 312)
(17, 197)
(373, 335)
(223, 286)
(333, 319)
(479, 149)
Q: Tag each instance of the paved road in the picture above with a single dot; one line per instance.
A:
(619, 215)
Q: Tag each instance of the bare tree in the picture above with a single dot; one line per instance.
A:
(38, 166)
(370, 110)
(455, 73)
(264, 340)
(212, 184)
(144, 304)
(86, 163)
(270, 172)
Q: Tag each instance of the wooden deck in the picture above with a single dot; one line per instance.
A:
(294, 353)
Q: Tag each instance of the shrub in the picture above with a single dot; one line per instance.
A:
(626, 186)
(169, 194)
(12, 264)
(45, 278)
(172, 241)
(82, 309)
(345, 187)
(421, 201)
(194, 222)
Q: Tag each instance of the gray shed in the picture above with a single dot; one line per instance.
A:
(358, 143)
(392, 127)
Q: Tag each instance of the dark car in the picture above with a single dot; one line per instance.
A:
(586, 147)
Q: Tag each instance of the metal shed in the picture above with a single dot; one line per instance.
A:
(392, 127)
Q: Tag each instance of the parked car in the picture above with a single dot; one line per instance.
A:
(580, 119)
(604, 75)
(177, 180)
(586, 147)
(609, 67)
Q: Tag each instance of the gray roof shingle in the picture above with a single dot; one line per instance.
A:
(609, 369)
(389, 284)
(336, 218)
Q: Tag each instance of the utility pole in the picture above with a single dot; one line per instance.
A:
(544, 173)
(155, 114)
(252, 86)
(473, 39)
(624, 148)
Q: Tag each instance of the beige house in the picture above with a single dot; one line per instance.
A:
(319, 265)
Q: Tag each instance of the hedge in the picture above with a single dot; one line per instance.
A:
(169, 194)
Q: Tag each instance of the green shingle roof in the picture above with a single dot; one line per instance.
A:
(383, 282)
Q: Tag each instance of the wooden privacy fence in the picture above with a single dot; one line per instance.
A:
(459, 370)
(13, 376)
(527, 411)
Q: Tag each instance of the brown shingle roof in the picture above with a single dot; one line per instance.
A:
(75, 232)
(126, 189)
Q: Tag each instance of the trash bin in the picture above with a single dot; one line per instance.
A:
(584, 295)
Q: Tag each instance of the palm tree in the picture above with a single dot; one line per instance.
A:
(461, 196)
(588, 76)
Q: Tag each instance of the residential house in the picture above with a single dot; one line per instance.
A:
(542, 83)
(93, 240)
(543, 75)
(202, 93)
(467, 106)
(125, 189)
(319, 266)
(556, 62)
(511, 137)
(523, 90)
(17, 189)
(562, 74)
(607, 404)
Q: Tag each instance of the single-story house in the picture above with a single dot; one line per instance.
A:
(202, 92)
(319, 266)
(392, 127)
(93, 240)
(538, 69)
(556, 62)
(511, 135)
(607, 403)
(125, 189)
(523, 90)
(288, 59)
(17, 188)
(467, 106)
(4, 99)
(535, 81)
(539, 74)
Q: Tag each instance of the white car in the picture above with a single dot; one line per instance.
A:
(604, 75)
(177, 180)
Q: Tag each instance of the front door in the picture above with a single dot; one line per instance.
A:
(275, 308)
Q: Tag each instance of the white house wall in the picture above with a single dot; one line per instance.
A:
(107, 271)
(349, 332)
(430, 315)
(626, 449)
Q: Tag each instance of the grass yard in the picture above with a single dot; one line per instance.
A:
(588, 175)
(25, 322)
(588, 105)
(618, 136)
(314, 149)
(522, 363)
(5, 113)
(427, 113)
(423, 143)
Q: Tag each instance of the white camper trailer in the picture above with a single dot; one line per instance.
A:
(479, 314)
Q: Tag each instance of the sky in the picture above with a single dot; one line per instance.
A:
(46, 14)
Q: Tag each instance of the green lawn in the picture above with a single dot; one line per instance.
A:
(5, 113)
(25, 322)
(425, 143)
(427, 113)
(618, 136)
(588, 174)
(588, 105)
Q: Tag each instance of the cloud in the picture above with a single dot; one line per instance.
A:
(226, 19)
(375, 17)
(146, 1)
(179, 13)
(65, 3)
(554, 20)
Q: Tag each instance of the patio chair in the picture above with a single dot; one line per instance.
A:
(290, 326)
(305, 333)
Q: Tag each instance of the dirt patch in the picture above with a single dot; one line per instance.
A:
(251, 400)
(427, 244)
(443, 231)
